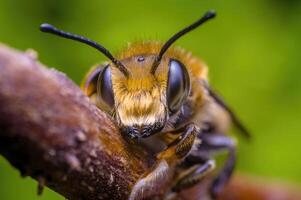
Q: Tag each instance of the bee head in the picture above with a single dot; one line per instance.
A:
(143, 90)
(143, 101)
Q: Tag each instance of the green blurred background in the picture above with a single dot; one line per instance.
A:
(252, 49)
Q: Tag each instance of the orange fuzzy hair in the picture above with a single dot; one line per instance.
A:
(194, 65)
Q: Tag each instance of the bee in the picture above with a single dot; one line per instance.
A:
(160, 97)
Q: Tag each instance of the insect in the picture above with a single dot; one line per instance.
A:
(160, 97)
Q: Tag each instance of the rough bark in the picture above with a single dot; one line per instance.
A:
(50, 131)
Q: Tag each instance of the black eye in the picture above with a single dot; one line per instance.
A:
(178, 85)
(104, 87)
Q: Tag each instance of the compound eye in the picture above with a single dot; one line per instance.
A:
(178, 85)
(104, 87)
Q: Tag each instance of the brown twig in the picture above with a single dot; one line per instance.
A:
(49, 130)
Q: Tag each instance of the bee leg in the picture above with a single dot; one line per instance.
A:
(193, 175)
(181, 146)
(153, 183)
(214, 143)
(160, 176)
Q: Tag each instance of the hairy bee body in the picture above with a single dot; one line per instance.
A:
(160, 97)
(199, 108)
(139, 92)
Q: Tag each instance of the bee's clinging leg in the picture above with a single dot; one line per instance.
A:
(153, 183)
(160, 176)
(194, 176)
(214, 143)
(181, 146)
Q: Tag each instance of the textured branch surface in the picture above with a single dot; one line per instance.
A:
(50, 131)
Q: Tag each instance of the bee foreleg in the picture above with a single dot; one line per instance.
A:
(160, 175)
(181, 146)
(214, 143)
(194, 176)
(153, 183)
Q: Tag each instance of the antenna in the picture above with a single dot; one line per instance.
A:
(47, 28)
(209, 15)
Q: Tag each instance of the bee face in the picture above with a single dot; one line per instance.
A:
(143, 89)
(143, 102)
